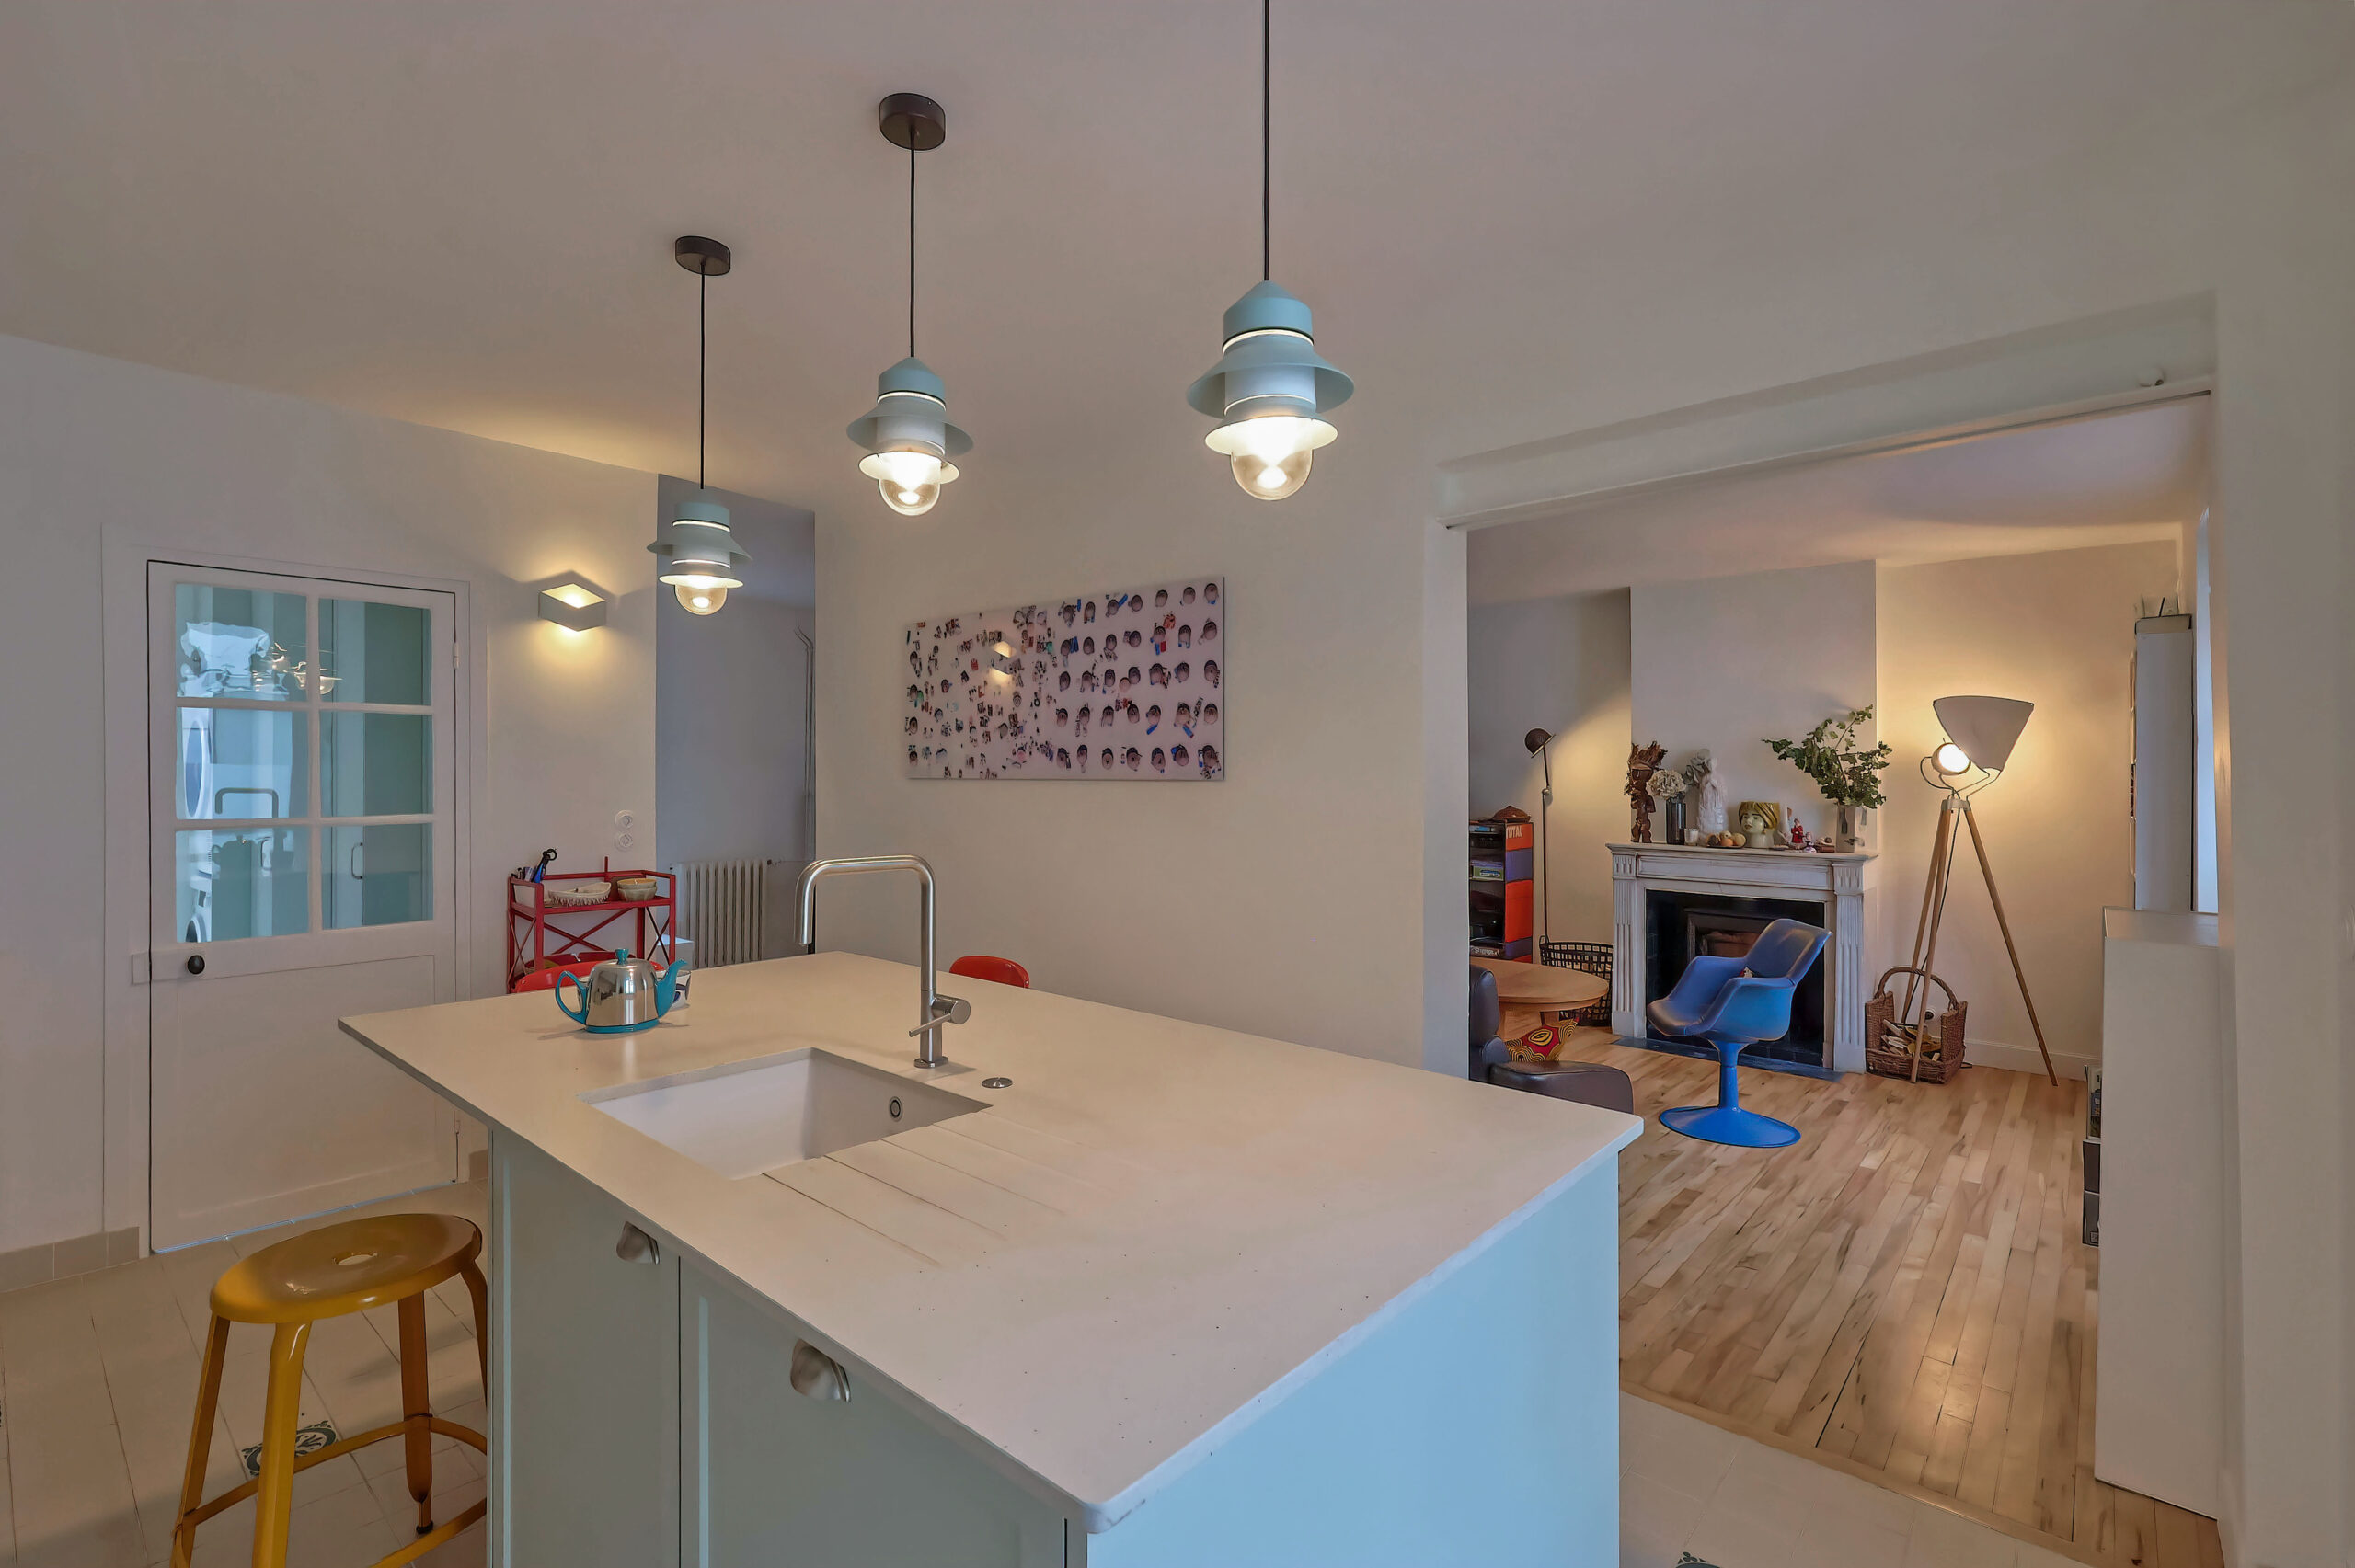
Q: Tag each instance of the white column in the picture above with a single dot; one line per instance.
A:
(1627, 985)
(1846, 980)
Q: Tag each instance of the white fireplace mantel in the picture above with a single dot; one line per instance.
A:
(1841, 883)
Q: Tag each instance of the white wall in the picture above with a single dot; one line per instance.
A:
(1557, 664)
(1292, 897)
(2056, 630)
(1727, 662)
(103, 461)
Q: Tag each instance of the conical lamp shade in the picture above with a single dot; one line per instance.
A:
(1985, 728)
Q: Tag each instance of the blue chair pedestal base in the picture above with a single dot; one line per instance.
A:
(1726, 1122)
(1730, 1125)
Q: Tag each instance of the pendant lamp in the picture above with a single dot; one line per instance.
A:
(699, 555)
(1270, 387)
(907, 437)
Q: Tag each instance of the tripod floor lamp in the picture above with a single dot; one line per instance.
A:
(1537, 740)
(1981, 733)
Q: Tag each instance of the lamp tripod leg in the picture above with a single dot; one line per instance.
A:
(2019, 974)
(1938, 850)
(1941, 876)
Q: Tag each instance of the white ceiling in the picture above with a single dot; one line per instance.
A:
(462, 214)
(2110, 480)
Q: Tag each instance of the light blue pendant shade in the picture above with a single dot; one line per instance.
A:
(697, 550)
(1270, 365)
(1269, 392)
(908, 439)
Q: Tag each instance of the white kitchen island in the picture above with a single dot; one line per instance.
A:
(1175, 1297)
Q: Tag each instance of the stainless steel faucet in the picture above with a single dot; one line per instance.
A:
(933, 1011)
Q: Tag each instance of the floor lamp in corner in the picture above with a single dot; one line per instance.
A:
(1981, 733)
(1537, 740)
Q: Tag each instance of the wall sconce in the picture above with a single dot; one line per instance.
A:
(571, 606)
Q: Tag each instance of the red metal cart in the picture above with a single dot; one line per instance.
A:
(541, 935)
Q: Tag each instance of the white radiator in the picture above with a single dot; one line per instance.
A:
(722, 908)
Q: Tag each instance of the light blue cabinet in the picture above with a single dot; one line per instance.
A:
(772, 1474)
(584, 1373)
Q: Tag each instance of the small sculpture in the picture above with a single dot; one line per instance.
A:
(1755, 833)
(1642, 761)
(1711, 816)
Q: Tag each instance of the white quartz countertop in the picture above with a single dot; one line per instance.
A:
(1158, 1232)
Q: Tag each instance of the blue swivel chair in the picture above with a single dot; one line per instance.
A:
(1733, 1003)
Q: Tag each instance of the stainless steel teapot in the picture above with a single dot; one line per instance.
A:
(622, 995)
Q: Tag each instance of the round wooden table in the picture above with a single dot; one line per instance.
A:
(1543, 987)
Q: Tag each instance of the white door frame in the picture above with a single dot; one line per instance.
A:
(125, 936)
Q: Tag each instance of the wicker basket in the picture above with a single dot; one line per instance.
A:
(1886, 1039)
(1588, 957)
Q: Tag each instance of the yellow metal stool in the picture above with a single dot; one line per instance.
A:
(328, 1273)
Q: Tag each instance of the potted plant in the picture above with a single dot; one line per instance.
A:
(1848, 774)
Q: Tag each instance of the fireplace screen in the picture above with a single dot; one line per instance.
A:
(1680, 927)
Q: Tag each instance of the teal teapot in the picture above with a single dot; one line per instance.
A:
(622, 995)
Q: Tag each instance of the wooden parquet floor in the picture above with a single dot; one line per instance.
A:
(1902, 1295)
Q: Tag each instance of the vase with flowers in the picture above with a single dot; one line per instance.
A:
(1847, 773)
(1666, 786)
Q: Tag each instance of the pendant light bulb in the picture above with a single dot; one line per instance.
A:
(909, 481)
(700, 601)
(1270, 455)
(1270, 387)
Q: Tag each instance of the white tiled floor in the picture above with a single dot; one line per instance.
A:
(1685, 1486)
(97, 1386)
(97, 1382)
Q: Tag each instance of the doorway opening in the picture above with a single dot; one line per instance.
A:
(1910, 1292)
(735, 765)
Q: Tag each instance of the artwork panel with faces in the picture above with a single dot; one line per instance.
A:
(1124, 685)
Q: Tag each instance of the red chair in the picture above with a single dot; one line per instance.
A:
(980, 966)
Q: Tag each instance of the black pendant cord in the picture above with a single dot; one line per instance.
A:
(912, 248)
(1267, 36)
(703, 360)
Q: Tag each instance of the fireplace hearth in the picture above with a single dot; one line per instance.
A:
(1680, 926)
(1671, 901)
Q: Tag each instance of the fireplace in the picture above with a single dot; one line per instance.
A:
(1670, 901)
(1680, 926)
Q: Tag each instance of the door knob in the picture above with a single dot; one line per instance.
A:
(637, 1246)
(195, 964)
(817, 1375)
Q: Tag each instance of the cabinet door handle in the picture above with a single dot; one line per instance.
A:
(817, 1375)
(637, 1246)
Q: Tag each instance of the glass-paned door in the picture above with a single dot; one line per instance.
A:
(302, 864)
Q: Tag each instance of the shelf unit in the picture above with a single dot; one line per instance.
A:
(540, 936)
(1502, 893)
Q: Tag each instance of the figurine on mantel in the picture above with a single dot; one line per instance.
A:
(1701, 774)
(1642, 761)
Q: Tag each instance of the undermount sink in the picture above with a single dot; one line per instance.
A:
(750, 1116)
